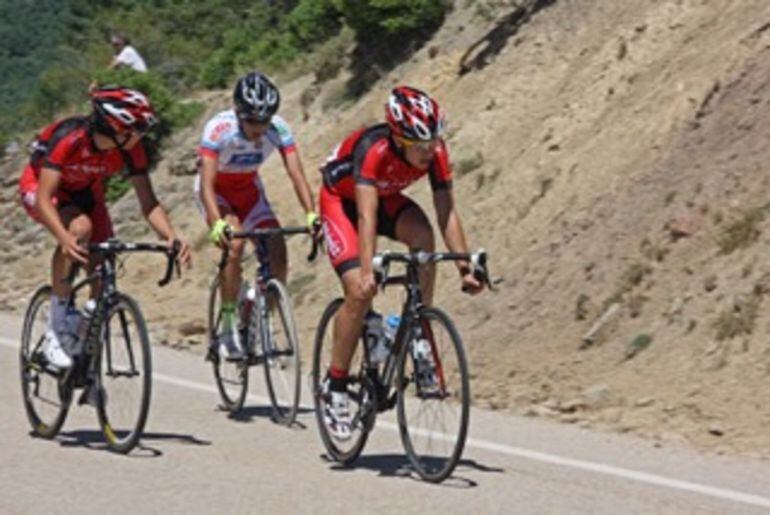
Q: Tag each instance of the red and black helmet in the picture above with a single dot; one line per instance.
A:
(122, 109)
(413, 115)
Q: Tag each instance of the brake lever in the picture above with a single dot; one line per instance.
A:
(171, 256)
(381, 268)
(317, 236)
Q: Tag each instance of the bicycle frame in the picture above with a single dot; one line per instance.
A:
(259, 310)
(410, 313)
(105, 276)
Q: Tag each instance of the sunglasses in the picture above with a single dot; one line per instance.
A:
(421, 145)
(250, 120)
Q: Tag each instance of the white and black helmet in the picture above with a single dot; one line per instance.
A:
(256, 97)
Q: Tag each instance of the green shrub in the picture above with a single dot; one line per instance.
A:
(314, 21)
(373, 19)
(115, 187)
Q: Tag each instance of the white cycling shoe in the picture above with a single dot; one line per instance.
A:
(337, 416)
(54, 352)
(229, 346)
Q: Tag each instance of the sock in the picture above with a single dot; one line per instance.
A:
(228, 316)
(58, 313)
(338, 380)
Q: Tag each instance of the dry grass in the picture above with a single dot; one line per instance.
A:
(738, 320)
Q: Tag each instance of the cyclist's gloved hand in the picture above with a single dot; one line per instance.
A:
(313, 222)
(217, 233)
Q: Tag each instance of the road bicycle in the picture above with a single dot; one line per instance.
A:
(112, 361)
(267, 330)
(424, 376)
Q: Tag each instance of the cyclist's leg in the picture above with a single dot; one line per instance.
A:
(231, 274)
(339, 225)
(411, 226)
(261, 216)
(349, 320)
(61, 322)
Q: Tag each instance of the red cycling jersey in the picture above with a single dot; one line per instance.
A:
(369, 156)
(67, 147)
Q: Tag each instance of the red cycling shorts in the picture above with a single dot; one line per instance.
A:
(89, 201)
(340, 224)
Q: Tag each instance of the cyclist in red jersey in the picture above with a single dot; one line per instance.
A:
(62, 188)
(361, 198)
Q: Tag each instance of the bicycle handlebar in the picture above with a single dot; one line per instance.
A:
(111, 247)
(381, 262)
(266, 233)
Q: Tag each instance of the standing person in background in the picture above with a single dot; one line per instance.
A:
(126, 55)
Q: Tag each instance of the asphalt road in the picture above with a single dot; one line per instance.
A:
(195, 459)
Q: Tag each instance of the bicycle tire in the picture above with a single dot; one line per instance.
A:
(361, 394)
(123, 436)
(431, 467)
(231, 377)
(30, 373)
(282, 362)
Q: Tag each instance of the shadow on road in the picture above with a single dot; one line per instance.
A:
(249, 413)
(94, 440)
(397, 465)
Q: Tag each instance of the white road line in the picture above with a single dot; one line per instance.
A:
(598, 468)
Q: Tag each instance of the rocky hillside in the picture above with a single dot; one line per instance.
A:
(611, 156)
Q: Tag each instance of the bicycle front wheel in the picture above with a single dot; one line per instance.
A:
(360, 388)
(46, 397)
(124, 380)
(433, 395)
(232, 377)
(281, 354)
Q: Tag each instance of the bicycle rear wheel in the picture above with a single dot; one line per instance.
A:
(281, 354)
(360, 389)
(46, 397)
(232, 377)
(434, 404)
(124, 378)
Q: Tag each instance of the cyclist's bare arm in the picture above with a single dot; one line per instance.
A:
(293, 165)
(453, 233)
(208, 196)
(156, 215)
(48, 184)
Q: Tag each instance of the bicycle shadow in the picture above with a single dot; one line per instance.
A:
(398, 466)
(94, 440)
(250, 413)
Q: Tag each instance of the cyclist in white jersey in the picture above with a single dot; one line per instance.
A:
(229, 191)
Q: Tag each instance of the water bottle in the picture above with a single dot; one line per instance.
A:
(390, 329)
(85, 320)
(246, 306)
(374, 335)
